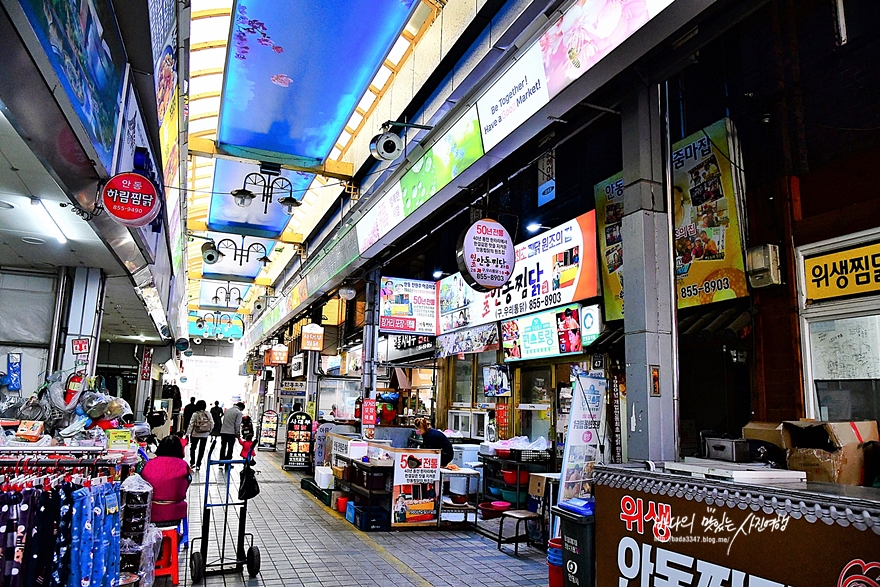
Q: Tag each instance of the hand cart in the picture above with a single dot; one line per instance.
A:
(198, 563)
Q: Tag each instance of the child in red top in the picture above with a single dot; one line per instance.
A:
(246, 444)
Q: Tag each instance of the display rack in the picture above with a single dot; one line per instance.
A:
(368, 493)
(492, 475)
(464, 508)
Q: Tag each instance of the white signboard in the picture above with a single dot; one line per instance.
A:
(485, 256)
(408, 306)
(511, 100)
(298, 365)
(591, 323)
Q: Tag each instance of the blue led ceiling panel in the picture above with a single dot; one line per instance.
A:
(211, 289)
(241, 257)
(296, 70)
(225, 216)
(228, 325)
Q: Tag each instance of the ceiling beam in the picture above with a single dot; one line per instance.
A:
(208, 148)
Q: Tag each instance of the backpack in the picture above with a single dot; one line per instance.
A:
(201, 422)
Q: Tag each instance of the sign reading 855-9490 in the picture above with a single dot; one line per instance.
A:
(131, 199)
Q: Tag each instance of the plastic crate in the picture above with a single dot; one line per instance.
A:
(529, 456)
(349, 512)
(371, 519)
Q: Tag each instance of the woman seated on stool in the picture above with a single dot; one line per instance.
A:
(170, 477)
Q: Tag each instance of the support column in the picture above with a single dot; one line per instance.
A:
(651, 349)
(371, 336)
(84, 318)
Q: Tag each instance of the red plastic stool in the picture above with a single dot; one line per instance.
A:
(166, 565)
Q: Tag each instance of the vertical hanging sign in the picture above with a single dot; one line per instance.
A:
(547, 177)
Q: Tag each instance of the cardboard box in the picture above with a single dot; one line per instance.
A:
(538, 483)
(828, 451)
(767, 431)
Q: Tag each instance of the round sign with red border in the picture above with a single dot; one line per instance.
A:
(131, 199)
(486, 255)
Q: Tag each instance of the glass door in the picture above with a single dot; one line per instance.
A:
(536, 397)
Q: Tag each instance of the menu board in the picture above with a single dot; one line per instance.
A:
(268, 430)
(416, 494)
(297, 446)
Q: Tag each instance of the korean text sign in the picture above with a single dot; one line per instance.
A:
(555, 268)
(709, 264)
(843, 273)
(657, 539)
(416, 487)
(131, 199)
(408, 306)
(582, 437)
(545, 334)
(609, 207)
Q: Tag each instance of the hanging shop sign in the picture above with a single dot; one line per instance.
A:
(276, 356)
(147, 364)
(313, 337)
(268, 435)
(131, 199)
(545, 334)
(408, 305)
(298, 365)
(402, 346)
(582, 437)
(415, 496)
(547, 177)
(470, 340)
(609, 210)
(485, 255)
(555, 268)
(297, 448)
(707, 205)
(591, 324)
(290, 387)
(843, 273)
(659, 528)
(79, 346)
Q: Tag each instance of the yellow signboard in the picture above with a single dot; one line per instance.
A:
(709, 265)
(844, 273)
(609, 215)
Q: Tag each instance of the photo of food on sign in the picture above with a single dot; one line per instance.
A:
(569, 330)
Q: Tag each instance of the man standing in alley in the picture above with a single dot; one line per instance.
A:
(230, 430)
(217, 416)
(188, 412)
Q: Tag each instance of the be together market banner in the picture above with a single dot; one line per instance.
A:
(609, 211)
(555, 268)
(408, 306)
(709, 264)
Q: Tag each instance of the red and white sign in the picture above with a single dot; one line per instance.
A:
(131, 199)
(368, 416)
(313, 337)
(147, 365)
(80, 346)
(486, 255)
(408, 305)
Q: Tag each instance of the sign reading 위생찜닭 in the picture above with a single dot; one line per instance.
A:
(843, 273)
(709, 264)
(407, 305)
(552, 269)
(131, 199)
(485, 255)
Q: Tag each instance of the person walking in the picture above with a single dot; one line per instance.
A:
(230, 430)
(200, 426)
(188, 412)
(217, 415)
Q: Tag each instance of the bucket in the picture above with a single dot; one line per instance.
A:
(554, 575)
(341, 504)
(554, 552)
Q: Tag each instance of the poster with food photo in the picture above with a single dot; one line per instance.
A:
(608, 195)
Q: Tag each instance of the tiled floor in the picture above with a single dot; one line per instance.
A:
(304, 543)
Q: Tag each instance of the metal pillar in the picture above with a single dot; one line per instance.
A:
(371, 336)
(651, 348)
(84, 317)
(60, 298)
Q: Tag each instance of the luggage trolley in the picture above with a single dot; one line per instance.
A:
(198, 563)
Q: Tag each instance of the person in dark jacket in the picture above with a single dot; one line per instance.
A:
(434, 439)
(188, 412)
(217, 415)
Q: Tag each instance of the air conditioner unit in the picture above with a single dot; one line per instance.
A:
(762, 266)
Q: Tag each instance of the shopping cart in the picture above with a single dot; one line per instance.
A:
(198, 563)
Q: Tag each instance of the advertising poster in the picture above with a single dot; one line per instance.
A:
(554, 268)
(416, 494)
(297, 445)
(381, 218)
(407, 306)
(471, 340)
(609, 217)
(452, 154)
(168, 104)
(485, 255)
(322, 455)
(582, 437)
(709, 265)
(496, 381)
(546, 334)
(268, 430)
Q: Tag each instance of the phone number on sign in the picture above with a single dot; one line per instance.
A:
(708, 287)
(545, 301)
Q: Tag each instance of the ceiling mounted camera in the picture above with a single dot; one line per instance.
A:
(210, 254)
(386, 146)
(259, 305)
(197, 340)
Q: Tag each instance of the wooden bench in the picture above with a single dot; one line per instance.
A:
(520, 516)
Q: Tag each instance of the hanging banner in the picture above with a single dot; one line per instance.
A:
(297, 446)
(485, 255)
(552, 269)
(582, 437)
(313, 337)
(131, 199)
(709, 264)
(547, 177)
(546, 334)
(147, 364)
(408, 305)
(268, 435)
(298, 365)
(402, 346)
(609, 210)
(471, 340)
(415, 497)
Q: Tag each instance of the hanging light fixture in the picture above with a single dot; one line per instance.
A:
(227, 293)
(243, 254)
(268, 188)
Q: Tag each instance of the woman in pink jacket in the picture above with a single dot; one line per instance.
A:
(170, 477)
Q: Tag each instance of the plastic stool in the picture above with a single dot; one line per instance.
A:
(520, 516)
(166, 565)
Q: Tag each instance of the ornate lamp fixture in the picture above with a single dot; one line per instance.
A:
(227, 293)
(268, 188)
(242, 254)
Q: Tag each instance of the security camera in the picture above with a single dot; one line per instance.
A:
(231, 340)
(200, 323)
(197, 340)
(210, 254)
(386, 146)
(259, 305)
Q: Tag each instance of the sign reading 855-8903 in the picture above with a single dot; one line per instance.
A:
(710, 286)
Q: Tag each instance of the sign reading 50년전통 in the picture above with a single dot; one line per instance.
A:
(843, 273)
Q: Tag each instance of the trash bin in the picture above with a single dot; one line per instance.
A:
(578, 548)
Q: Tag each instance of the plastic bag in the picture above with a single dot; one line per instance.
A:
(150, 553)
(540, 444)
